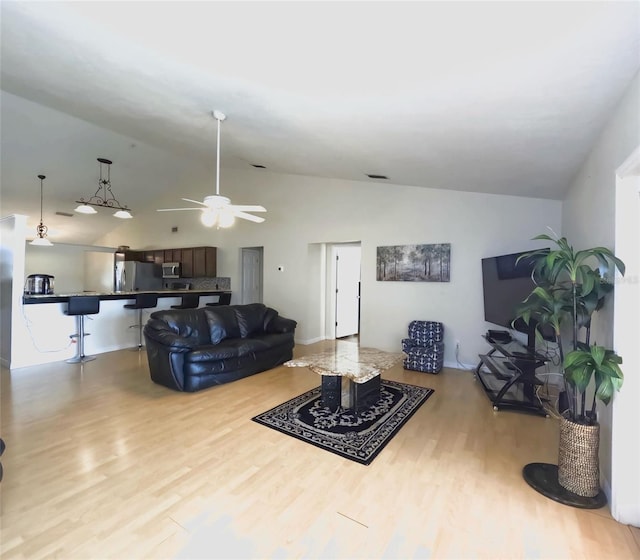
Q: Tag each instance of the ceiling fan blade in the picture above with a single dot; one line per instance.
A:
(250, 217)
(173, 209)
(248, 208)
(194, 201)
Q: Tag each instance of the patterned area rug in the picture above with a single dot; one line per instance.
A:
(359, 437)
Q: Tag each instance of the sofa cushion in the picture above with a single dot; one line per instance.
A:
(251, 318)
(230, 348)
(222, 322)
(189, 324)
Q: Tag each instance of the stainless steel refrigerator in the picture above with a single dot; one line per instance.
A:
(133, 276)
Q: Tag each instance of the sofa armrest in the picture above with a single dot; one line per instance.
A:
(281, 325)
(159, 332)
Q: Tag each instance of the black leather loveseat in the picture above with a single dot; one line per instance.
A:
(192, 349)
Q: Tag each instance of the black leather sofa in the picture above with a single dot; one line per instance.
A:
(192, 349)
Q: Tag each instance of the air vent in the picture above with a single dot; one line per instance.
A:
(378, 177)
(66, 214)
(258, 166)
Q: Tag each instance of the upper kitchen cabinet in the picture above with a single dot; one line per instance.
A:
(204, 262)
(195, 262)
(186, 263)
(133, 255)
(156, 256)
(172, 255)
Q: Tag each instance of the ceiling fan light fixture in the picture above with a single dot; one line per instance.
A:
(217, 209)
(41, 230)
(209, 217)
(227, 219)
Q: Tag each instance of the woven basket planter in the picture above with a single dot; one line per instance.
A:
(578, 462)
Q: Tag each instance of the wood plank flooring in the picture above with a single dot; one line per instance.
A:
(102, 463)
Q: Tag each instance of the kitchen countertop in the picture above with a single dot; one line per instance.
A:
(63, 298)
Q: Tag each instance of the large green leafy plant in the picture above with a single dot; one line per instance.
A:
(570, 288)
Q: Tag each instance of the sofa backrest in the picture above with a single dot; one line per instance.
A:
(222, 323)
(211, 325)
(238, 321)
(187, 323)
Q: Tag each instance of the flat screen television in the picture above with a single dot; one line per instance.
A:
(506, 283)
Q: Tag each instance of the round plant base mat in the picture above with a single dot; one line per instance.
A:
(543, 477)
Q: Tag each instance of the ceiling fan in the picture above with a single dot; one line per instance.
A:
(217, 209)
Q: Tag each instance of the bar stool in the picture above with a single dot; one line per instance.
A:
(224, 299)
(189, 301)
(143, 301)
(79, 306)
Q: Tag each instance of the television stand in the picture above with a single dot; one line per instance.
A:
(507, 374)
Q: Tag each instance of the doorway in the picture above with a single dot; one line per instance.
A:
(252, 274)
(625, 449)
(345, 272)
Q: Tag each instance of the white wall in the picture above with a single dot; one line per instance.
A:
(12, 233)
(64, 261)
(588, 218)
(625, 455)
(306, 212)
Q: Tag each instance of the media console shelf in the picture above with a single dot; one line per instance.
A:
(508, 376)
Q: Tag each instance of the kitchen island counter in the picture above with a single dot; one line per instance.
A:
(105, 296)
(46, 331)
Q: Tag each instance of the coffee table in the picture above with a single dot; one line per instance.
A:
(350, 375)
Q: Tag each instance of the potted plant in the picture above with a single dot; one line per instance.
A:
(570, 287)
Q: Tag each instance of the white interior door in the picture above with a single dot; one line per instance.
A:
(347, 266)
(252, 275)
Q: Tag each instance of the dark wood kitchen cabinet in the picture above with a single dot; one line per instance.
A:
(186, 261)
(133, 255)
(204, 262)
(196, 262)
(156, 256)
(172, 255)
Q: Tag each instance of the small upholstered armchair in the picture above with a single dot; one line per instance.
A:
(424, 349)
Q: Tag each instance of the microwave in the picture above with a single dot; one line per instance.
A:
(171, 270)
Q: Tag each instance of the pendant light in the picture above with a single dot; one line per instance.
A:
(103, 197)
(41, 229)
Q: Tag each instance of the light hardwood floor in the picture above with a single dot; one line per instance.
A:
(102, 463)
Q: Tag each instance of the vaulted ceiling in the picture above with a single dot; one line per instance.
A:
(494, 97)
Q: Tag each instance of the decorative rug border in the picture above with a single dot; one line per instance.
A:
(361, 446)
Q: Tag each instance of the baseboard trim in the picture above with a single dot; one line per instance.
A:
(459, 365)
(311, 340)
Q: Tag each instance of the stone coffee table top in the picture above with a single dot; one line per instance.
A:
(358, 364)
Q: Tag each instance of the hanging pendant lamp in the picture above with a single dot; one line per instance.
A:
(41, 229)
(103, 197)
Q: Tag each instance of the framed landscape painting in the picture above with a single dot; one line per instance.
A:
(414, 263)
